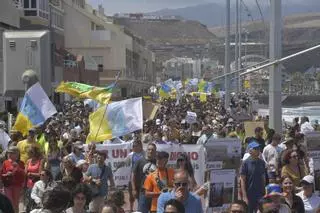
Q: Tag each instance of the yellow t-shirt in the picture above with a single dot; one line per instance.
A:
(23, 147)
(295, 176)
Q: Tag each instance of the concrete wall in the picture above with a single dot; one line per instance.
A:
(80, 39)
(9, 14)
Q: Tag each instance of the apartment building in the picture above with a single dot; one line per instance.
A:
(90, 33)
(9, 20)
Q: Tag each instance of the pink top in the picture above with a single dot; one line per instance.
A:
(33, 168)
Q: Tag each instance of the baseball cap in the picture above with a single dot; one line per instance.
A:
(273, 189)
(253, 145)
(309, 179)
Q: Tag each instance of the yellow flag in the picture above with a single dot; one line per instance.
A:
(203, 97)
(247, 84)
(99, 127)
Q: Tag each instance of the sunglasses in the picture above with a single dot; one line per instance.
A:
(170, 212)
(183, 184)
(294, 156)
(237, 211)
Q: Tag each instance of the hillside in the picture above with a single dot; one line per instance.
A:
(213, 14)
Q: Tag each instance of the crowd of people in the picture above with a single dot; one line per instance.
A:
(49, 169)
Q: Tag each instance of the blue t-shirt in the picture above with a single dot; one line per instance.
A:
(191, 205)
(254, 171)
(94, 171)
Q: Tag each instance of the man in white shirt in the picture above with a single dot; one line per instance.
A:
(271, 154)
(310, 200)
(306, 126)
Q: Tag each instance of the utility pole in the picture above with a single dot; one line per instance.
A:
(227, 56)
(237, 45)
(275, 106)
(240, 39)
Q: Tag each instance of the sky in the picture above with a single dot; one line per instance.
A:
(125, 6)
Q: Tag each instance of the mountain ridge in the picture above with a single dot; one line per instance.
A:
(213, 14)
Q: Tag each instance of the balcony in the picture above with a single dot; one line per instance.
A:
(38, 12)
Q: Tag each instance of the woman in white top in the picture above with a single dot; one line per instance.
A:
(45, 183)
(310, 200)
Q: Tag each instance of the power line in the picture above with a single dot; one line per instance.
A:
(246, 8)
(260, 11)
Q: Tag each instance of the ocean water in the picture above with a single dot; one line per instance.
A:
(288, 114)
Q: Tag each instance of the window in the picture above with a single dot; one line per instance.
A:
(92, 26)
(98, 59)
(34, 3)
(26, 3)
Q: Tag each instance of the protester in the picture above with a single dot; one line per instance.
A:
(292, 167)
(305, 125)
(33, 168)
(174, 206)
(77, 154)
(98, 175)
(5, 204)
(271, 154)
(81, 196)
(191, 202)
(133, 157)
(25, 145)
(68, 169)
(273, 192)
(117, 200)
(142, 168)
(310, 200)
(183, 162)
(53, 155)
(13, 176)
(54, 201)
(159, 181)
(45, 183)
(4, 138)
(238, 206)
(252, 177)
(294, 202)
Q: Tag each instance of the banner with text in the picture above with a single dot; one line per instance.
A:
(116, 154)
(195, 153)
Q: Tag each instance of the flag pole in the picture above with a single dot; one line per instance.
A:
(104, 113)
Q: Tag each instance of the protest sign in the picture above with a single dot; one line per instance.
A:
(222, 188)
(195, 153)
(312, 140)
(191, 117)
(116, 154)
(223, 153)
(250, 126)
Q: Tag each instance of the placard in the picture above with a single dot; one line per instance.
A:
(195, 153)
(250, 126)
(191, 117)
(222, 188)
(225, 150)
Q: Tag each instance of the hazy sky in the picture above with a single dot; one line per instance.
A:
(123, 6)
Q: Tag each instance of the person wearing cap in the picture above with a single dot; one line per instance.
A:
(77, 153)
(273, 192)
(25, 145)
(259, 137)
(252, 177)
(13, 176)
(161, 180)
(310, 200)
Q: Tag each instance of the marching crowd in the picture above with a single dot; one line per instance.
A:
(49, 169)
